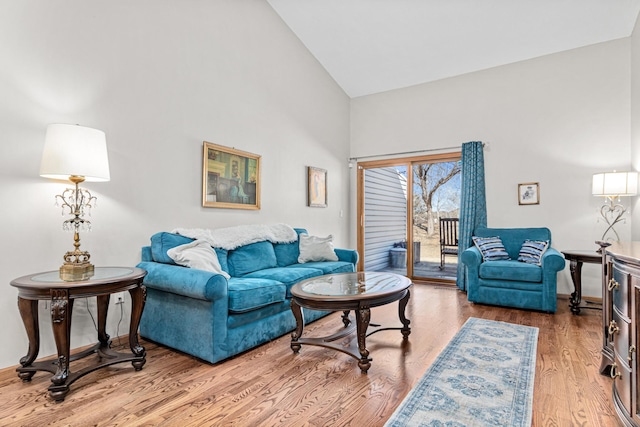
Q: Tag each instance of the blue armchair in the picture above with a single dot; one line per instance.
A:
(510, 282)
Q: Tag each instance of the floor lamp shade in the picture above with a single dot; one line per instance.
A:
(72, 150)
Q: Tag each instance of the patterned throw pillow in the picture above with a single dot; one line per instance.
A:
(532, 250)
(491, 248)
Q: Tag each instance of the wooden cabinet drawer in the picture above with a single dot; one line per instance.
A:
(619, 330)
(620, 290)
(622, 381)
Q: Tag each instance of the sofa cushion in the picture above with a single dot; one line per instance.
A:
(532, 250)
(287, 275)
(314, 248)
(287, 253)
(327, 267)
(249, 294)
(222, 258)
(249, 258)
(197, 254)
(491, 248)
(163, 241)
(236, 320)
(510, 270)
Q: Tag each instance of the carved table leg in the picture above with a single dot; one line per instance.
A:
(103, 307)
(29, 313)
(345, 318)
(61, 308)
(295, 335)
(138, 299)
(402, 305)
(363, 315)
(576, 276)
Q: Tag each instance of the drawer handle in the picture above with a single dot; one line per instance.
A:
(614, 372)
(632, 350)
(613, 328)
(613, 284)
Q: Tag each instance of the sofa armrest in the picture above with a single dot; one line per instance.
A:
(552, 260)
(347, 255)
(471, 257)
(146, 254)
(189, 282)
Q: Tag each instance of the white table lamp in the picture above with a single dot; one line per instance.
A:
(77, 154)
(612, 186)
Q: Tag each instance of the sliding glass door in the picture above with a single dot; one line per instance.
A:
(423, 192)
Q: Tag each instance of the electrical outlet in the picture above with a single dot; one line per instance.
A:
(118, 298)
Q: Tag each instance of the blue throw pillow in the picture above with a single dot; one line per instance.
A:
(532, 250)
(491, 248)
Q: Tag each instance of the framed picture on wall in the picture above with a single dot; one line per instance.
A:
(230, 178)
(316, 187)
(529, 193)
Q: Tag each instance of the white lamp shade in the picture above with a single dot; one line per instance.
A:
(614, 184)
(75, 150)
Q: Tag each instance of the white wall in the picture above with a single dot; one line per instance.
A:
(555, 120)
(158, 77)
(635, 120)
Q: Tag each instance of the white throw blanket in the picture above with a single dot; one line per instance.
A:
(234, 237)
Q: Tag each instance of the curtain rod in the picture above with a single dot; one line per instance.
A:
(484, 144)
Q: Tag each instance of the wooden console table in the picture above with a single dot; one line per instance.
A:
(49, 286)
(620, 323)
(576, 259)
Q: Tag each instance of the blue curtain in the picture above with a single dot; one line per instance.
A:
(473, 203)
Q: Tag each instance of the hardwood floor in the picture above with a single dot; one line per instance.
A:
(271, 385)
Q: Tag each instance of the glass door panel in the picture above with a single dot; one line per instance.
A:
(436, 209)
(385, 219)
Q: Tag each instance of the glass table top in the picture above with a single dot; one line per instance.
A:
(354, 284)
(99, 274)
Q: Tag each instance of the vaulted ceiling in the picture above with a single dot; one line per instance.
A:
(371, 46)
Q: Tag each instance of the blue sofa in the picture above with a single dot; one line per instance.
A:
(205, 315)
(509, 282)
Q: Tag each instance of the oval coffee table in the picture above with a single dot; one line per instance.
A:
(345, 292)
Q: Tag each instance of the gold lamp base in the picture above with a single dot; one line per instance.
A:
(73, 272)
(76, 265)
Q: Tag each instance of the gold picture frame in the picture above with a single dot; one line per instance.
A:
(529, 193)
(316, 187)
(230, 178)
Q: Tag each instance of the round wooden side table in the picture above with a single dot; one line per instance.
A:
(49, 286)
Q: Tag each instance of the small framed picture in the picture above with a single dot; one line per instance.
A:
(529, 193)
(317, 187)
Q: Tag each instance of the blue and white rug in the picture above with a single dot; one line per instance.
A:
(483, 377)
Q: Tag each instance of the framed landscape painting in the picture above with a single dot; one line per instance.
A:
(230, 178)
(316, 187)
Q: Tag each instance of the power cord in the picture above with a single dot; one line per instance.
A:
(86, 300)
(120, 321)
(95, 325)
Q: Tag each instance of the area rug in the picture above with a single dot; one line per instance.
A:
(483, 377)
